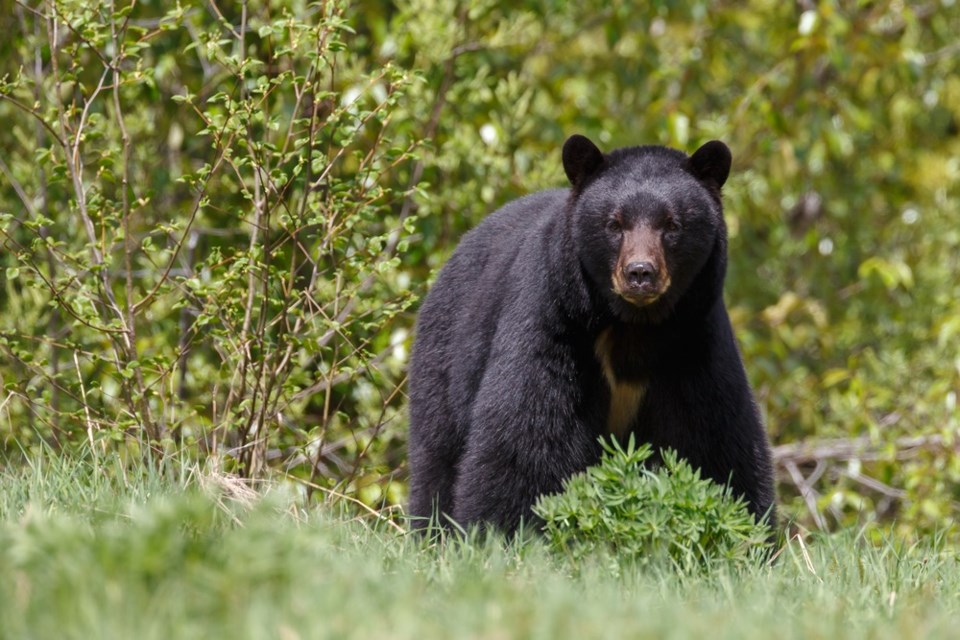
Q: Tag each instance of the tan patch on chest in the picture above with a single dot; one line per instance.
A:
(625, 396)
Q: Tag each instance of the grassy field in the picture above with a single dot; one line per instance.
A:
(89, 551)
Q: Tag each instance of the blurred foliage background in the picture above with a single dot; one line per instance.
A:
(217, 218)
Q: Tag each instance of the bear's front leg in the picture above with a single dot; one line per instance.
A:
(526, 438)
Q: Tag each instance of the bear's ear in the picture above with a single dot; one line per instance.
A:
(581, 159)
(711, 163)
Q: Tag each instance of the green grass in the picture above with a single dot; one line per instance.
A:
(93, 551)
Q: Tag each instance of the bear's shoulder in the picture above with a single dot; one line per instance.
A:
(521, 215)
(519, 227)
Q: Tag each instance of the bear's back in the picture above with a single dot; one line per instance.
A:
(496, 241)
(478, 274)
(460, 315)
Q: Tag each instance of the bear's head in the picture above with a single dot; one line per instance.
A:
(648, 224)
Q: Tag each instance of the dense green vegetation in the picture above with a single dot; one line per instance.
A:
(648, 514)
(86, 552)
(217, 218)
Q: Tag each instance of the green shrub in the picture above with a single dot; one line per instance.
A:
(201, 252)
(650, 513)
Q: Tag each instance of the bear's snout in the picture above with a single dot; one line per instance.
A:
(640, 282)
(641, 277)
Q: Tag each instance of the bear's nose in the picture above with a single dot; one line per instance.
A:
(638, 274)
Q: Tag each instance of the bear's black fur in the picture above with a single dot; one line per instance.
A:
(571, 314)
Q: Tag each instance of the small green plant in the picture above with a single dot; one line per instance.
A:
(646, 513)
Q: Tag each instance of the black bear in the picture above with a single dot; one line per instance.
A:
(572, 314)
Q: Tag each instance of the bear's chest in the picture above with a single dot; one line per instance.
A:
(626, 393)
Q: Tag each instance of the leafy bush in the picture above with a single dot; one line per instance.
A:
(647, 513)
(201, 240)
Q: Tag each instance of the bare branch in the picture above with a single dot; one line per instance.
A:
(807, 493)
(863, 448)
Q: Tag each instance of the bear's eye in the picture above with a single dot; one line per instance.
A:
(672, 225)
(614, 225)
